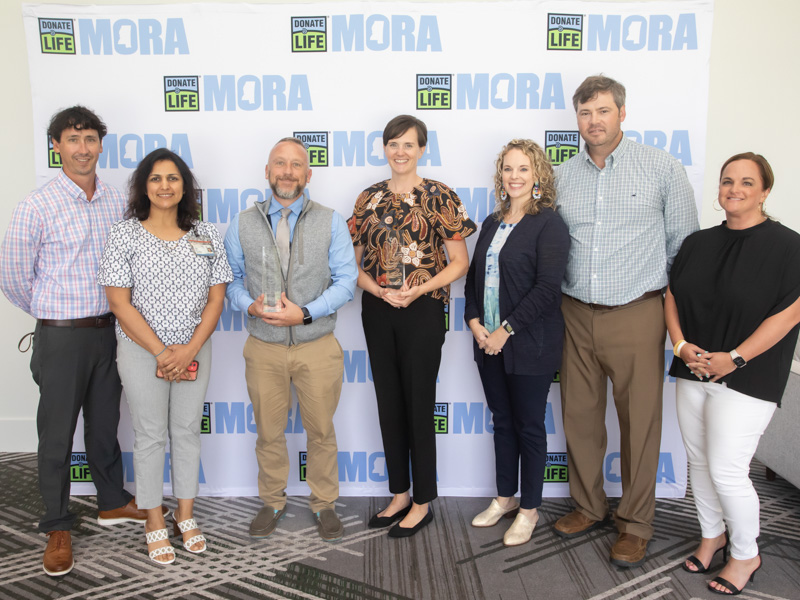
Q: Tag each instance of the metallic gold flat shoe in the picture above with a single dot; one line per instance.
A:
(520, 531)
(493, 514)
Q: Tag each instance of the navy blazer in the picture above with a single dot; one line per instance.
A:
(532, 264)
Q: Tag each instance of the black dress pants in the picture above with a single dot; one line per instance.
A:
(405, 349)
(76, 368)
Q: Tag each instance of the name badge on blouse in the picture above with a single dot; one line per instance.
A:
(202, 247)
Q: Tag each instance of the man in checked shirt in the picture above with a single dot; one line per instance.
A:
(628, 208)
(48, 268)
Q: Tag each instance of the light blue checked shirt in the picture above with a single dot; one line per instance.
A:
(52, 249)
(626, 222)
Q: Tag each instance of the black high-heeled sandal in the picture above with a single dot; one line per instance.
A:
(734, 591)
(701, 568)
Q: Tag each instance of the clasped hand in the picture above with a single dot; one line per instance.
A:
(286, 315)
(711, 365)
(490, 343)
(174, 361)
(401, 298)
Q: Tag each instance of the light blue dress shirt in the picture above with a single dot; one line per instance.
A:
(626, 221)
(341, 260)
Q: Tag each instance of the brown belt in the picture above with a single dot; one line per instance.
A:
(106, 320)
(645, 296)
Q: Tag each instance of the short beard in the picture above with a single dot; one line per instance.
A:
(286, 195)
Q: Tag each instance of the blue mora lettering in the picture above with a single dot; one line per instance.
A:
(225, 203)
(234, 417)
(128, 149)
(478, 201)
(665, 474)
(358, 466)
(359, 148)
(253, 92)
(676, 142)
(472, 417)
(504, 90)
(126, 36)
(354, 33)
(636, 32)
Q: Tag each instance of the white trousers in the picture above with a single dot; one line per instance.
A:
(721, 428)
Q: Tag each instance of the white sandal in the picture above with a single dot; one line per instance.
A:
(188, 525)
(157, 536)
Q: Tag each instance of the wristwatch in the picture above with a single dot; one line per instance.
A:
(505, 325)
(737, 360)
(306, 316)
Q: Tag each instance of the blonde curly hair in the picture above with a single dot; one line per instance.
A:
(542, 172)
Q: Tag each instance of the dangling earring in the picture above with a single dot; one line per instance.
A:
(536, 193)
(503, 194)
(715, 204)
(763, 210)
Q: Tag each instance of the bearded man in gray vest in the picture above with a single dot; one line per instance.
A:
(294, 267)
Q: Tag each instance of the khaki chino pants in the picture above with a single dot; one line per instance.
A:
(316, 370)
(626, 344)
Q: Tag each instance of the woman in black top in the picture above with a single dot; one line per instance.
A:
(732, 310)
(513, 308)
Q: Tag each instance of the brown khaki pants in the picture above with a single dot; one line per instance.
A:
(625, 344)
(316, 369)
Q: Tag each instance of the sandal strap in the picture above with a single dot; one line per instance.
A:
(156, 536)
(159, 551)
(187, 525)
(722, 581)
(701, 568)
(194, 540)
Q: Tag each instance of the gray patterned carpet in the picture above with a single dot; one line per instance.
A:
(448, 560)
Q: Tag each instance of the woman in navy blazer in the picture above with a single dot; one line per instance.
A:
(513, 307)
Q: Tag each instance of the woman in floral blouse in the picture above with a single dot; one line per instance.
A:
(401, 228)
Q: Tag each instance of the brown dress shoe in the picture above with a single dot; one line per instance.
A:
(628, 551)
(576, 524)
(58, 554)
(130, 513)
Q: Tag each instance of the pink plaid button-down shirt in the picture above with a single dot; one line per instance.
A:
(52, 249)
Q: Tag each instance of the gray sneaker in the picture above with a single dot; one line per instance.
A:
(266, 521)
(329, 526)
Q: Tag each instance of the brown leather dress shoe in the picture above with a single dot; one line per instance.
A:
(58, 554)
(576, 524)
(130, 513)
(628, 551)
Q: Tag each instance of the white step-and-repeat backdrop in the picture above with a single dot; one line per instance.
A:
(219, 84)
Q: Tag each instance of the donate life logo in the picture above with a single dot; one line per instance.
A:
(79, 468)
(556, 470)
(434, 92)
(57, 36)
(316, 143)
(309, 34)
(182, 93)
(53, 157)
(564, 32)
(560, 146)
(302, 465)
(205, 420)
(440, 420)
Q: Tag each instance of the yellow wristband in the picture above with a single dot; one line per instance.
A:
(678, 347)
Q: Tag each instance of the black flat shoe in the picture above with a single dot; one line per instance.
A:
(734, 591)
(401, 532)
(701, 568)
(377, 522)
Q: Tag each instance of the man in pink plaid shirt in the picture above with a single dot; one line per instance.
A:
(48, 268)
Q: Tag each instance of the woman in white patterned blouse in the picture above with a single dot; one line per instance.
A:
(165, 274)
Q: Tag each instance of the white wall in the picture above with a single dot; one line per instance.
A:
(752, 90)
